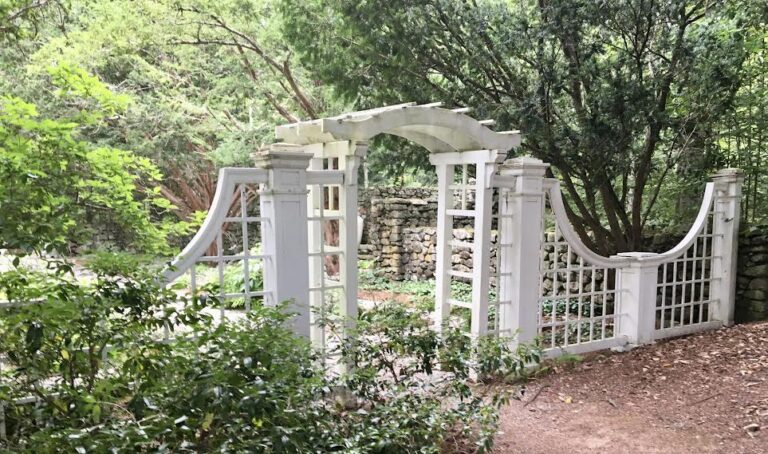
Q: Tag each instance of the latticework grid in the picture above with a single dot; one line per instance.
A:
(461, 213)
(683, 292)
(577, 300)
(325, 287)
(502, 219)
(232, 267)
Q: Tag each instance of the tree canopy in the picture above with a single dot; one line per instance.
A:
(633, 102)
(615, 95)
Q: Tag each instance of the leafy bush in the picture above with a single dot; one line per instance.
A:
(90, 357)
(234, 282)
(52, 182)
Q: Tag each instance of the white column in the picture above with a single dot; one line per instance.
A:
(443, 243)
(524, 208)
(725, 242)
(284, 232)
(317, 262)
(481, 254)
(636, 294)
(348, 272)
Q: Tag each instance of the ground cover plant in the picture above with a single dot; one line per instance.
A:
(84, 371)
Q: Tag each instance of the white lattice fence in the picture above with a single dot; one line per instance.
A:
(578, 299)
(225, 257)
(684, 300)
(588, 302)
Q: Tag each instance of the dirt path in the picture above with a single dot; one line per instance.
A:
(706, 393)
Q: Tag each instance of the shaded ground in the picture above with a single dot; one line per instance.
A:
(706, 393)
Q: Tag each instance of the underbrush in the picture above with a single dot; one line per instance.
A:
(84, 371)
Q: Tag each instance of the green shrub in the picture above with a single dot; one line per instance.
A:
(246, 386)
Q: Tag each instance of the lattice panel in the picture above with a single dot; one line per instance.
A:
(325, 288)
(683, 295)
(500, 245)
(232, 267)
(577, 300)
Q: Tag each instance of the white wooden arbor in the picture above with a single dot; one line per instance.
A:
(547, 285)
(456, 141)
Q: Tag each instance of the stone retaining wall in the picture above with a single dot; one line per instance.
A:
(399, 236)
(752, 280)
(417, 261)
(387, 212)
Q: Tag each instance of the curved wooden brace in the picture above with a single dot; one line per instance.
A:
(229, 178)
(693, 232)
(564, 224)
(455, 129)
(561, 217)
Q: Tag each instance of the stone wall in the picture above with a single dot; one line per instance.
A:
(399, 236)
(419, 247)
(752, 281)
(387, 212)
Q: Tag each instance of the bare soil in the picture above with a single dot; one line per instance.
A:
(705, 393)
(378, 296)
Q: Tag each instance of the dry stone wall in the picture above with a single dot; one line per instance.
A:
(752, 276)
(419, 248)
(399, 236)
(387, 212)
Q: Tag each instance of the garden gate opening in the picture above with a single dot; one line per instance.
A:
(547, 285)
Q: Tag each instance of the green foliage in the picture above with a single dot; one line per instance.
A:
(234, 282)
(617, 96)
(109, 263)
(89, 355)
(51, 182)
(55, 335)
(21, 19)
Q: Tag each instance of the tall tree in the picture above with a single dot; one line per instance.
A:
(610, 93)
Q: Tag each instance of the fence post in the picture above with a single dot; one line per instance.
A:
(348, 206)
(284, 231)
(636, 292)
(521, 226)
(725, 242)
(444, 235)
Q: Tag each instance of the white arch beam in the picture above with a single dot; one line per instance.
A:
(438, 129)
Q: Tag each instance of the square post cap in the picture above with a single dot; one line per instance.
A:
(729, 174)
(282, 156)
(524, 165)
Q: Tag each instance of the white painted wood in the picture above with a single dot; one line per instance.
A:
(481, 253)
(284, 236)
(348, 229)
(316, 261)
(636, 295)
(445, 174)
(326, 177)
(586, 347)
(571, 237)
(508, 320)
(725, 227)
(454, 129)
(229, 178)
(693, 232)
(523, 209)
(687, 329)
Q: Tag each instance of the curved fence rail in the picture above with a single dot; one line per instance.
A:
(578, 295)
(225, 257)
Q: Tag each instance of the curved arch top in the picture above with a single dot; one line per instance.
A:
(436, 129)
